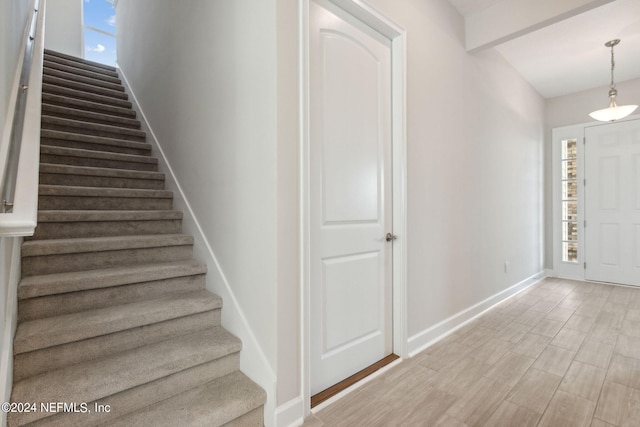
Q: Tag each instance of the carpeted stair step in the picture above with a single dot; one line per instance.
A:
(53, 331)
(37, 361)
(81, 65)
(79, 281)
(88, 141)
(78, 94)
(30, 364)
(237, 399)
(185, 276)
(52, 72)
(61, 124)
(84, 87)
(79, 176)
(146, 395)
(65, 224)
(66, 255)
(90, 158)
(50, 65)
(87, 106)
(60, 197)
(188, 314)
(75, 59)
(89, 116)
(144, 374)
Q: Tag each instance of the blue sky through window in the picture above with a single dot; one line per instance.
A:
(99, 47)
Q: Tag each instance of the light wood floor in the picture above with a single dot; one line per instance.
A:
(560, 354)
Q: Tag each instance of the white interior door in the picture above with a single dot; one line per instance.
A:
(350, 197)
(612, 203)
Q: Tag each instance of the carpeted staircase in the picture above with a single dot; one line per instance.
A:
(112, 309)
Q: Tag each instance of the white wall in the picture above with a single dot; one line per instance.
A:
(64, 27)
(205, 76)
(571, 110)
(475, 131)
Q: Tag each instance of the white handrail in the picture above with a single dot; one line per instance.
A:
(22, 219)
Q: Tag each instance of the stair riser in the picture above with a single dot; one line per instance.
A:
(88, 106)
(101, 119)
(102, 203)
(93, 146)
(80, 72)
(95, 132)
(56, 305)
(62, 263)
(84, 87)
(36, 362)
(100, 181)
(76, 94)
(82, 79)
(80, 66)
(67, 230)
(147, 394)
(98, 163)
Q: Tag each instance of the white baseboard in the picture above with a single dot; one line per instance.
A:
(253, 361)
(430, 336)
(291, 414)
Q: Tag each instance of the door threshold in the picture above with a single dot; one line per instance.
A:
(327, 394)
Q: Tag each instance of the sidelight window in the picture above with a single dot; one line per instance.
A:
(569, 201)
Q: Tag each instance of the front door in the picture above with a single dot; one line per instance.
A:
(350, 196)
(612, 203)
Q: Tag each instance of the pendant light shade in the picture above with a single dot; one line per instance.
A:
(613, 112)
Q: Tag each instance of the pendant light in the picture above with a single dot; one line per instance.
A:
(613, 112)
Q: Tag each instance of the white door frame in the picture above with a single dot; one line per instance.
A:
(357, 9)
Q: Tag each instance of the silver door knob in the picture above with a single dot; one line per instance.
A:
(391, 237)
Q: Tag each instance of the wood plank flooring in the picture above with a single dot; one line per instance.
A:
(561, 354)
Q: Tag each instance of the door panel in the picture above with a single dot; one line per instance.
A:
(350, 197)
(612, 202)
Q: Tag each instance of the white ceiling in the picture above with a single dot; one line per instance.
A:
(569, 56)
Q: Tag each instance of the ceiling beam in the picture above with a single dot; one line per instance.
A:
(509, 19)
